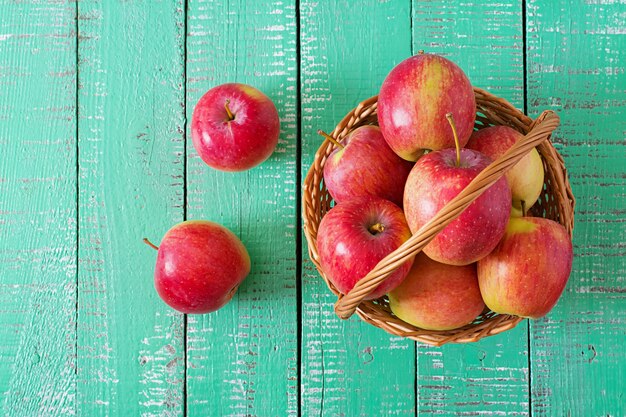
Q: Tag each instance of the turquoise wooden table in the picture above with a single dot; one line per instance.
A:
(95, 99)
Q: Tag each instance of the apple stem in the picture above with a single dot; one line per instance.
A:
(523, 208)
(456, 138)
(152, 245)
(376, 228)
(230, 114)
(420, 52)
(330, 138)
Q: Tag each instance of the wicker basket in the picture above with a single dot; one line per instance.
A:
(556, 202)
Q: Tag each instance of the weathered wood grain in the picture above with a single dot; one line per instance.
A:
(131, 154)
(576, 67)
(489, 377)
(349, 368)
(37, 208)
(242, 359)
(110, 347)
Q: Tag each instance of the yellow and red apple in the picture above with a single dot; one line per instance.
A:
(437, 178)
(528, 270)
(525, 178)
(436, 296)
(414, 99)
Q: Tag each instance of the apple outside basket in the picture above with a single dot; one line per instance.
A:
(556, 202)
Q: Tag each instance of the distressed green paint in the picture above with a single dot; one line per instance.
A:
(37, 209)
(125, 353)
(489, 377)
(131, 154)
(242, 359)
(348, 367)
(576, 67)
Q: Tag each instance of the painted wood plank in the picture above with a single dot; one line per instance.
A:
(131, 154)
(242, 359)
(349, 368)
(37, 208)
(489, 377)
(576, 67)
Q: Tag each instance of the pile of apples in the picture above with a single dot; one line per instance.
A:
(389, 181)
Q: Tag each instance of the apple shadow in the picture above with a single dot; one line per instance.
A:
(271, 245)
(284, 96)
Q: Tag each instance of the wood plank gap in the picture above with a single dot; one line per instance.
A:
(525, 99)
(185, 365)
(77, 201)
(298, 210)
(415, 355)
(525, 78)
(412, 53)
(530, 369)
(184, 104)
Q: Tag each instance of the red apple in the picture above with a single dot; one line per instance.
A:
(234, 127)
(355, 235)
(199, 266)
(436, 178)
(528, 270)
(414, 100)
(436, 296)
(525, 178)
(366, 166)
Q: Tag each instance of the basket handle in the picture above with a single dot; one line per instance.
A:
(541, 130)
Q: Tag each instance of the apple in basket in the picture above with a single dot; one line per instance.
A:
(364, 165)
(437, 178)
(414, 99)
(525, 178)
(234, 127)
(199, 266)
(354, 236)
(528, 270)
(436, 296)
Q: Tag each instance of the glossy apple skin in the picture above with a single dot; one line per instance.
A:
(366, 167)
(241, 143)
(527, 272)
(199, 266)
(436, 296)
(525, 178)
(348, 251)
(414, 100)
(434, 181)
